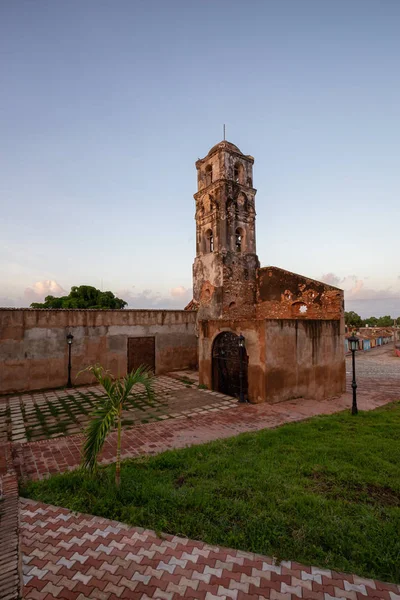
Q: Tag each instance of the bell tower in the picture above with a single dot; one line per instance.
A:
(224, 270)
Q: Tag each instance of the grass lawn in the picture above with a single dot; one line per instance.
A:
(324, 492)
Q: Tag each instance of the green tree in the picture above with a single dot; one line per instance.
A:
(352, 319)
(83, 296)
(371, 322)
(385, 321)
(108, 413)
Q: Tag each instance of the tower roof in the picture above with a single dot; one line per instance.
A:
(226, 146)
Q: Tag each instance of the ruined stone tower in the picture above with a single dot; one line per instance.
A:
(224, 270)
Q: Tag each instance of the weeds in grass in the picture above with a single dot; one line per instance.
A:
(53, 408)
(41, 419)
(186, 380)
(79, 404)
(67, 409)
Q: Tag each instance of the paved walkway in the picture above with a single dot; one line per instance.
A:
(55, 413)
(75, 556)
(40, 459)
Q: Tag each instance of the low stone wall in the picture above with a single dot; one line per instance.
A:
(34, 352)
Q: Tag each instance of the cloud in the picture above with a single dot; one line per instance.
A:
(41, 289)
(331, 279)
(180, 291)
(177, 299)
(359, 292)
(6, 302)
(366, 301)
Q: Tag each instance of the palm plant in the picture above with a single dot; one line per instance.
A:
(108, 413)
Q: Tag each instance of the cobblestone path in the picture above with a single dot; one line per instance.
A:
(377, 371)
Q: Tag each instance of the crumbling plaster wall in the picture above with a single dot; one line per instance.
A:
(304, 359)
(287, 358)
(254, 333)
(34, 353)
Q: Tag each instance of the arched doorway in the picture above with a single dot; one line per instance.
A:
(226, 365)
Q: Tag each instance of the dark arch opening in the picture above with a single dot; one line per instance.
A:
(239, 239)
(209, 241)
(226, 365)
(209, 174)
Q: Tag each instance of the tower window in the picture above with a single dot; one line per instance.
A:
(238, 173)
(239, 240)
(209, 174)
(210, 241)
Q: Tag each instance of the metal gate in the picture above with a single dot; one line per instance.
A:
(141, 351)
(226, 365)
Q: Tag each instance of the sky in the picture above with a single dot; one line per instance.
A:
(105, 106)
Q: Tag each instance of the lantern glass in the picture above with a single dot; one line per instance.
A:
(241, 341)
(353, 341)
(70, 337)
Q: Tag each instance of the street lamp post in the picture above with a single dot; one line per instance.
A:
(241, 351)
(353, 342)
(70, 337)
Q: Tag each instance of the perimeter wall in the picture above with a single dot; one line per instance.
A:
(34, 352)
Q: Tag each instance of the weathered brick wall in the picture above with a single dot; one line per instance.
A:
(34, 353)
(285, 295)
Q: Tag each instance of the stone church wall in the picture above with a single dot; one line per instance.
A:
(304, 359)
(285, 295)
(34, 353)
(287, 358)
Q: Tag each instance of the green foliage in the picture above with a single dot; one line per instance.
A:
(371, 322)
(385, 321)
(108, 411)
(324, 491)
(83, 296)
(352, 319)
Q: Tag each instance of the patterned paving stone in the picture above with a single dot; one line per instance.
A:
(9, 560)
(65, 555)
(40, 459)
(137, 563)
(55, 413)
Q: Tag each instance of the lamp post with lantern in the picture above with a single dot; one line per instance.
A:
(70, 337)
(353, 342)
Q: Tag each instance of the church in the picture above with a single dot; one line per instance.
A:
(261, 334)
(274, 334)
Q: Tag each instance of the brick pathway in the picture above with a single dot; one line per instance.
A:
(88, 557)
(36, 460)
(9, 564)
(75, 556)
(54, 413)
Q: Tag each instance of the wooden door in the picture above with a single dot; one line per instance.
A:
(141, 351)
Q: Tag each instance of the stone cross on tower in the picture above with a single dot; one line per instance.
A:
(225, 267)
